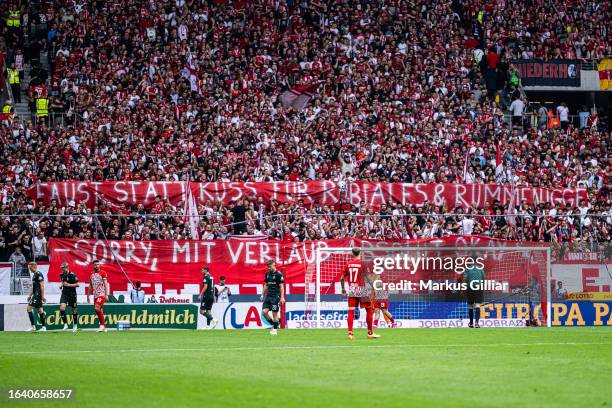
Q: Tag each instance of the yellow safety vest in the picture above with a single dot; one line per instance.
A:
(13, 75)
(14, 18)
(553, 121)
(7, 108)
(42, 107)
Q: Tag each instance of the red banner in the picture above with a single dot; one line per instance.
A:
(175, 264)
(323, 192)
(458, 195)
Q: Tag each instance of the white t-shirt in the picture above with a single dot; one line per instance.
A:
(517, 107)
(223, 294)
(563, 113)
(467, 226)
(38, 245)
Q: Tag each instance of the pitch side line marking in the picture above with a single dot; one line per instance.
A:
(330, 347)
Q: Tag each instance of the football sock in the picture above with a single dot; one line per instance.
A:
(477, 314)
(63, 314)
(471, 313)
(369, 319)
(351, 317)
(275, 324)
(208, 318)
(101, 317)
(31, 316)
(43, 319)
(268, 319)
(75, 318)
(375, 322)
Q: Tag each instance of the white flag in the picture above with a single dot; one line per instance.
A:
(193, 82)
(511, 214)
(190, 213)
(499, 166)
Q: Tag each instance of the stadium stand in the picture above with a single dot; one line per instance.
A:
(218, 90)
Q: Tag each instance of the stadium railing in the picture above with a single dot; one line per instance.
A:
(587, 228)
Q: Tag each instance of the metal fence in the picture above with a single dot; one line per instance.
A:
(62, 119)
(54, 119)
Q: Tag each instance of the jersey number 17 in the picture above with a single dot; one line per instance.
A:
(353, 274)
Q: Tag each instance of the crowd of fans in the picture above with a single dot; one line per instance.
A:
(405, 91)
(576, 228)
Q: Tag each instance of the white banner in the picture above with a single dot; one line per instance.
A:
(238, 316)
(582, 277)
(16, 318)
(5, 280)
(405, 324)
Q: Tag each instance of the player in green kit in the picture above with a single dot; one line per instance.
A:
(36, 298)
(474, 278)
(69, 296)
(207, 298)
(273, 295)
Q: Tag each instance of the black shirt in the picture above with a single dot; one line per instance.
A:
(208, 280)
(37, 278)
(239, 213)
(274, 280)
(70, 278)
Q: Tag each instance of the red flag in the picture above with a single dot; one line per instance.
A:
(298, 96)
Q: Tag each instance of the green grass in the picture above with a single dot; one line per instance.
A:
(560, 367)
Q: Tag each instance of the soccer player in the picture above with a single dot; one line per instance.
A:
(354, 272)
(273, 295)
(474, 278)
(36, 298)
(98, 286)
(534, 296)
(207, 297)
(382, 306)
(69, 296)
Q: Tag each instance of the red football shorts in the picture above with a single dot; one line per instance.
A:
(353, 301)
(382, 304)
(100, 300)
(359, 302)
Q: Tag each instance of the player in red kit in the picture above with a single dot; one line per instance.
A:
(353, 272)
(381, 300)
(98, 286)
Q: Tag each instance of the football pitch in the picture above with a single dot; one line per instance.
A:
(537, 367)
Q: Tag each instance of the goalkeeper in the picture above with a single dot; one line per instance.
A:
(474, 278)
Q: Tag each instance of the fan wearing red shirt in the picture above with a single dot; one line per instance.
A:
(98, 286)
(353, 271)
